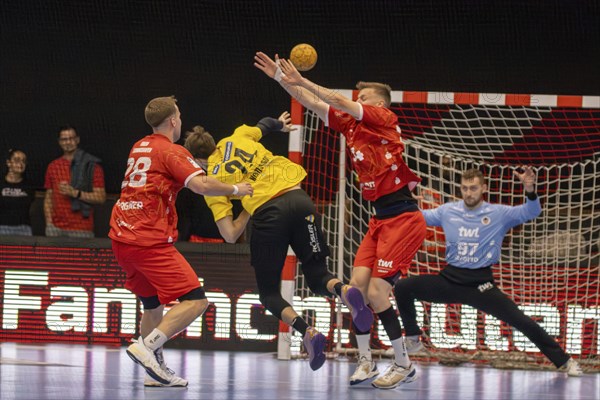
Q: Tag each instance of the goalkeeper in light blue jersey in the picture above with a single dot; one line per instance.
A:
(474, 231)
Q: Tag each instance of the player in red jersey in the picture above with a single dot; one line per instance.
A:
(143, 230)
(397, 229)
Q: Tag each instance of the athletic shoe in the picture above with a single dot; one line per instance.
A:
(365, 370)
(314, 344)
(362, 316)
(176, 381)
(573, 368)
(413, 345)
(139, 353)
(394, 376)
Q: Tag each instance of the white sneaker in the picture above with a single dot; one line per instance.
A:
(139, 353)
(176, 381)
(413, 344)
(394, 376)
(366, 369)
(573, 368)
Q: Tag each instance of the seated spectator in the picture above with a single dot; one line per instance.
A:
(196, 223)
(16, 196)
(74, 182)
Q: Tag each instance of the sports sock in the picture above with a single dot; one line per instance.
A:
(363, 341)
(300, 325)
(155, 339)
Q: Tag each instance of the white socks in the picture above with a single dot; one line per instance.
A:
(400, 353)
(155, 340)
(364, 347)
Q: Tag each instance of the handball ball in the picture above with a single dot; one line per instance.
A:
(303, 56)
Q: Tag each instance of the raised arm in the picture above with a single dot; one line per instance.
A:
(272, 70)
(332, 97)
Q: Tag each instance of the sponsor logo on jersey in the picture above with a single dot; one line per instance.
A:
(13, 192)
(228, 147)
(486, 220)
(369, 185)
(194, 163)
(310, 218)
(385, 263)
(130, 205)
(142, 150)
(466, 232)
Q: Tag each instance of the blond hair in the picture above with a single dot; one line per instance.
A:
(199, 142)
(159, 109)
(381, 89)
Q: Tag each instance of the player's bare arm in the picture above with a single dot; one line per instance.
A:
(232, 229)
(292, 77)
(209, 186)
(272, 70)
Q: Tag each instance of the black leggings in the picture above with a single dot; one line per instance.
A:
(287, 220)
(492, 301)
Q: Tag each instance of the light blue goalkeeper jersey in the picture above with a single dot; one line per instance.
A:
(474, 237)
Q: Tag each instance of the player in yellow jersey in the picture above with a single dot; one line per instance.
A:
(281, 214)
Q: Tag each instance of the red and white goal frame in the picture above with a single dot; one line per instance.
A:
(549, 266)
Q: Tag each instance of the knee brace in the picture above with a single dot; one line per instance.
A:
(150, 303)
(274, 303)
(194, 294)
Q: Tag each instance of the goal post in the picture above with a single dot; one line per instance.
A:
(550, 266)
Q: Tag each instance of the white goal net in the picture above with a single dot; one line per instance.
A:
(549, 266)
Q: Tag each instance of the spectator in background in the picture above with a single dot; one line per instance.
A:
(196, 223)
(74, 182)
(16, 196)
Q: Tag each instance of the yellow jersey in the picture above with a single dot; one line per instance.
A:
(241, 158)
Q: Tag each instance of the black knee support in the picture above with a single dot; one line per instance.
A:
(150, 303)
(194, 294)
(274, 303)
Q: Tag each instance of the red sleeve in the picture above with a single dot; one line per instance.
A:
(48, 179)
(379, 117)
(339, 120)
(98, 179)
(180, 164)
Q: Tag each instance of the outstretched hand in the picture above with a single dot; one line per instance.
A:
(527, 178)
(286, 118)
(265, 64)
(291, 76)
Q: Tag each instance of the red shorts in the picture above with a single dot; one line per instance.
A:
(391, 244)
(156, 270)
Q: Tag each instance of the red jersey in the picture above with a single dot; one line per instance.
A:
(376, 150)
(157, 170)
(63, 217)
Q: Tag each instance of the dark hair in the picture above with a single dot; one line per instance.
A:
(199, 142)
(67, 127)
(9, 154)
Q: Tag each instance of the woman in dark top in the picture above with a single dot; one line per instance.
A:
(16, 196)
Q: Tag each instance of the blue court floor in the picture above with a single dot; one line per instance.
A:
(63, 372)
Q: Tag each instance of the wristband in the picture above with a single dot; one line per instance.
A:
(78, 194)
(235, 190)
(278, 75)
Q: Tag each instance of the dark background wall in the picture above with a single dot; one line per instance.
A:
(95, 64)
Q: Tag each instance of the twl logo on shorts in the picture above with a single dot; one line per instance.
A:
(485, 286)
